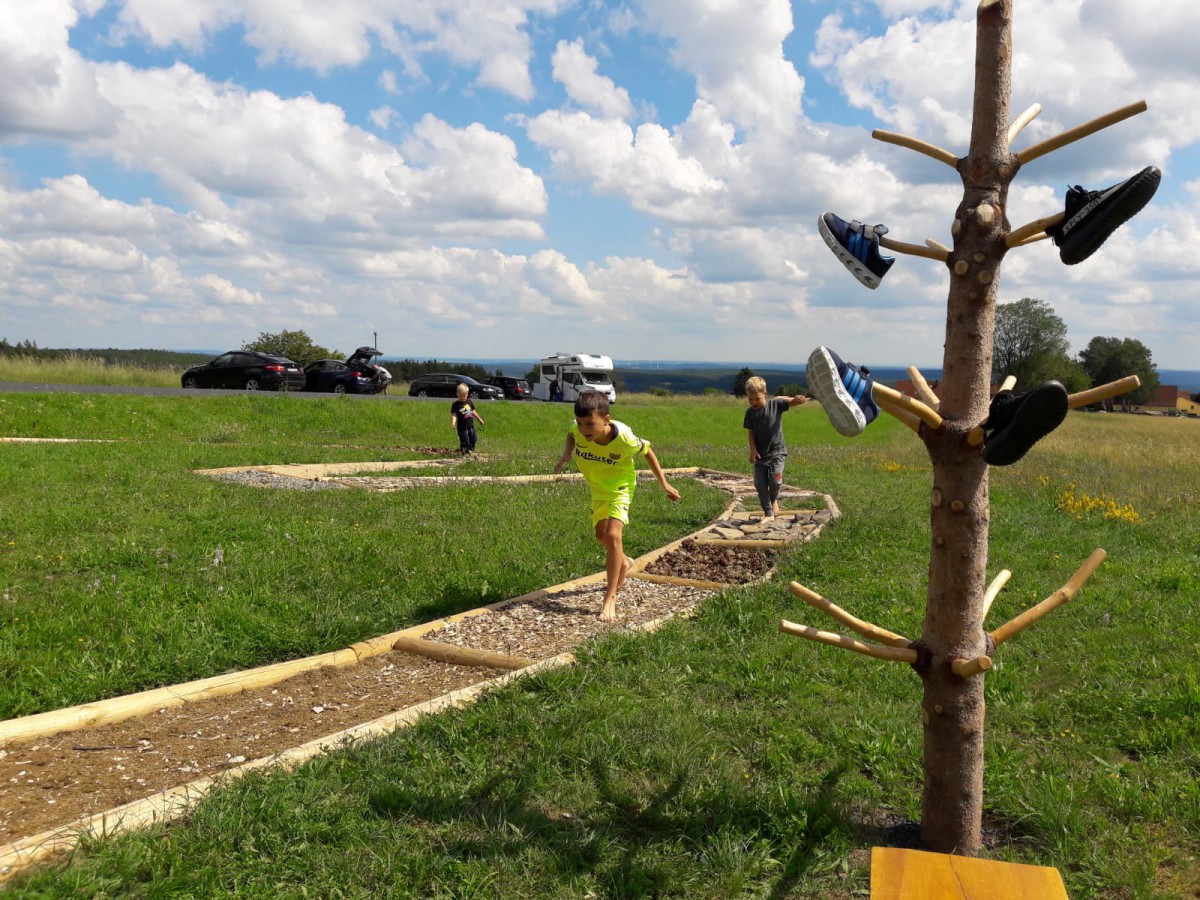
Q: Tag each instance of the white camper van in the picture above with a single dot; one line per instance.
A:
(574, 373)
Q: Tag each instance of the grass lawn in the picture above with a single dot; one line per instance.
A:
(715, 758)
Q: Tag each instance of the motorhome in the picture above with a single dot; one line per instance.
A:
(564, 376)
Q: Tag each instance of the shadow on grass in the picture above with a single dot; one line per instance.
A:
(630, 836)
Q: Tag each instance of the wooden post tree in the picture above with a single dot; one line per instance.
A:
(954, 650)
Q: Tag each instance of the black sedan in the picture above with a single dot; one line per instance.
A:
(438, 384)
(247, 369)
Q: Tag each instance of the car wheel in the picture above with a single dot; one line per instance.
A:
(252, 384)
(422, 393)
(190, 382)
(339, 389)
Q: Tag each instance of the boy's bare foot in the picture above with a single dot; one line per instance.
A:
(767, 518)
(776, 509)
(608, 612)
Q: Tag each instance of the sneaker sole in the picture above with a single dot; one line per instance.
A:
(1124, 205)
(823, 380)
(856, 267)
(1038, 415)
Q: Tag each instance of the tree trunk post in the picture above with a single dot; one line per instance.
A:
(953, 707)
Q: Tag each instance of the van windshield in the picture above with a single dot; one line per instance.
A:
(596, 377)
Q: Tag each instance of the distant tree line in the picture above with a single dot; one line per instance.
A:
(140, 359)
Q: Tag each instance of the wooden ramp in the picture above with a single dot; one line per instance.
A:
(916, 875)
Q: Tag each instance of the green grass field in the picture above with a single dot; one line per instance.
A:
(715, 758)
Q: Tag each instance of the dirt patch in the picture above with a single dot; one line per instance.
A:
(51, 781)
(713, 562)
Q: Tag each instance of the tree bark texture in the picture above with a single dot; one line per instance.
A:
(953, 707)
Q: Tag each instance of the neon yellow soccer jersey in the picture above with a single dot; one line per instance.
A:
(608, 468)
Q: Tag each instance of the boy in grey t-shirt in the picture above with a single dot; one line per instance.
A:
(764, 430)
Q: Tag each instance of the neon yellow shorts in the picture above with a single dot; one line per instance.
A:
(612, 505)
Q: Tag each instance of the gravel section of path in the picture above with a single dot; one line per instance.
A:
(51, 781)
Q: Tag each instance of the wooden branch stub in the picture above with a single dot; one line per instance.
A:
(1104, 391)
(923, 389)
(1035, 230)
(993, 589)
(866, 629)
(969, 668)
(1081, 131)
(1019, 123)
(903, 140)
(1009, 382)
(936, 245)
(916, 407)
(900, 413)
(941, 255)
(1051, 603)
(891, 654)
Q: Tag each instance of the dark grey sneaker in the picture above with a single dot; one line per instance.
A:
(1018, 421)
(844, 391)
(1091, 216)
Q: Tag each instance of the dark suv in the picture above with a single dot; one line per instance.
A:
(247, 369)
(514, 388)
(439, 384)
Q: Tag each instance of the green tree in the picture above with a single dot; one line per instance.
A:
(295, 345)
(739, 381)
(1106, 359)
(1030, 343)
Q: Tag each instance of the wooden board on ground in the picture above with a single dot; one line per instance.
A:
(898, 874)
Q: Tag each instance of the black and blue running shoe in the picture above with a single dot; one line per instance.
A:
(857, 246)
(1091, 216)
(844, 391)
(1016, 422)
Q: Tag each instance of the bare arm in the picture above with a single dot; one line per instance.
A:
(798, 400)
(475, 409)
(652, 460)
(754, 454)
(566, 454)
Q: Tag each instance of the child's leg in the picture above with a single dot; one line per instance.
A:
(610, 532)
(472, 437)
(775, 483)
(762, 487)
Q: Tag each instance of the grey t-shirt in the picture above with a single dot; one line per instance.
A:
(767, 427)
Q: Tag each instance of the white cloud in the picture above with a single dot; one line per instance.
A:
(576, 71)
(46, 88)
(382, 117)
(488, 35)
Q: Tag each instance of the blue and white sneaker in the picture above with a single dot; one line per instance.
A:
(844, 391)
(857, 246)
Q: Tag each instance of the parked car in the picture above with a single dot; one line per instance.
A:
(514, 388)
(356, 375)
(247, 369)
(441, 384)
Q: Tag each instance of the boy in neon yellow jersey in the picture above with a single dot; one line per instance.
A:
(604, 451)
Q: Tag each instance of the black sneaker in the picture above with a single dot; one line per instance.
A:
(1091, 216)
(843, 390)
(1018, 421)
(857, 246)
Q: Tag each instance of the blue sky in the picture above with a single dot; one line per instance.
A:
(507, 178)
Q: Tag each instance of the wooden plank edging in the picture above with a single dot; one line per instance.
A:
(174, 803)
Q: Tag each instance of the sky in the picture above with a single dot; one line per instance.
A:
(505, 179)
